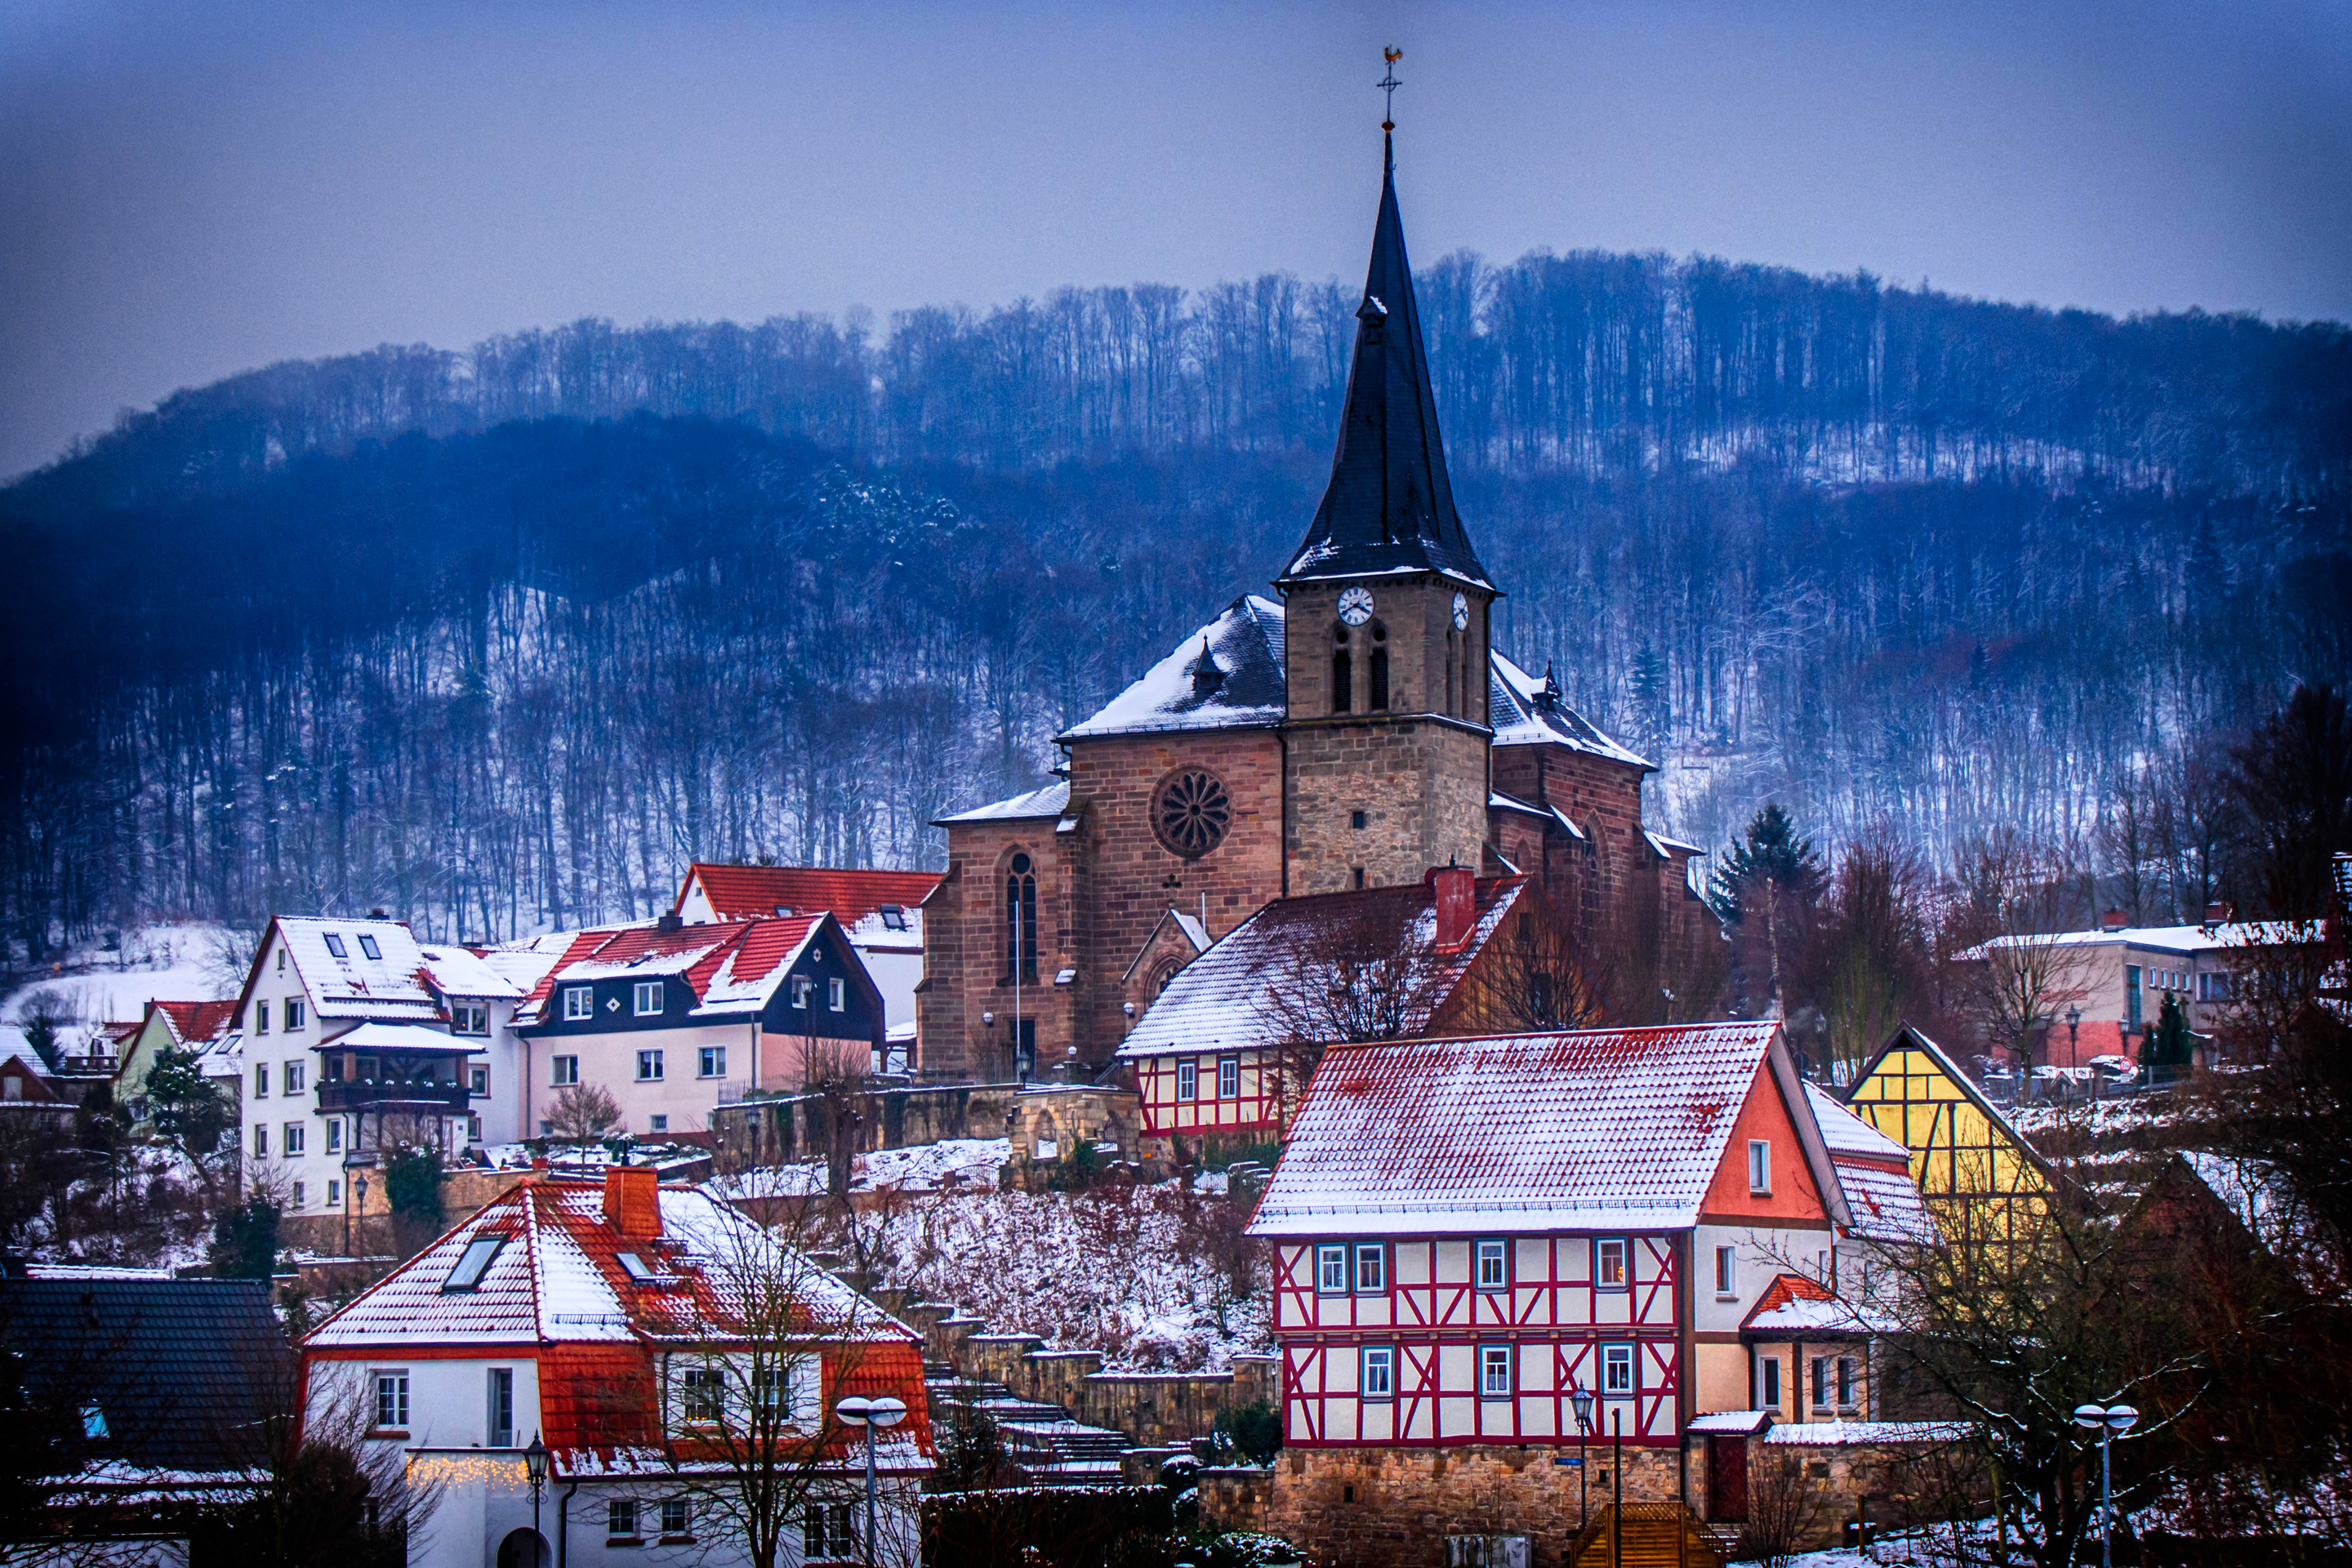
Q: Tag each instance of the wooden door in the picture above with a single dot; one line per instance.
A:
(1726, 1479)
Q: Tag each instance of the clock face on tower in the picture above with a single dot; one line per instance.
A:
(1356, 605)
(1461, 614)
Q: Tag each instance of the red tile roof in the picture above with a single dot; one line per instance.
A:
(744, 892)
(735, 963)
(197, 1021)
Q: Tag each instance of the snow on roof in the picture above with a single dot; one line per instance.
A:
(731, 968)
(381, 971)
(1047, 800)
(1886, 1204)
(196, 1023)
(1668, 848)
(864, 901)
(1229, 998)
(1847, 1134)
(1623, 1128)
(523, 965)
(1793, 1304)
(1525, 712)
(1732, 1421)
(1864, 1433)
(1227, 675)
(396, 1038)
(2185, 940)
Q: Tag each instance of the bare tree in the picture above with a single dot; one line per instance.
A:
(583, 1113)
(2015, 902)
(1785, 1508)
(1361, 974)
(1535, 974)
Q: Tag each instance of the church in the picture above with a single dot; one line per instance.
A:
(1356, 732)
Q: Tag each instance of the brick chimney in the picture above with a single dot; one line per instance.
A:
(2114, 919)
(1455, 888)
(2221, 912)
(633, 1201)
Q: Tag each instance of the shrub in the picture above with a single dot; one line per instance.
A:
(411, 1185)
(1254, 1431)
(244, 1240)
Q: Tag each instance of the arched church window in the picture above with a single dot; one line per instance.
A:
(1343, 672)
(1379, 696)
(1190, 812)
(1449, 673)
(1021, 919)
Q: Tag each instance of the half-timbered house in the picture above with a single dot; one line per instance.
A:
(1976, 1172)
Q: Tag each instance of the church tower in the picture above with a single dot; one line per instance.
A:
(1385, 615)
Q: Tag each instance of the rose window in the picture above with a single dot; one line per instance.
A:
(1192, 813)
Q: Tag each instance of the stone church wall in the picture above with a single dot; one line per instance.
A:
(1421, 785)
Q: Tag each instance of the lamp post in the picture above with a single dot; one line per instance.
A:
(2074, 1043)
(1581, 1397)
(1617, 1489)
(534, 1464)
(885, 1412)
(2110, 1421)
(359, 1186)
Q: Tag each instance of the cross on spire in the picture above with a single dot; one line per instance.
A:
(1389, 84)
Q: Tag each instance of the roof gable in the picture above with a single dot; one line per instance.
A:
(1227, 675)
(730, 968)
(1958, 1143)
(1525, 712)
(749, 892)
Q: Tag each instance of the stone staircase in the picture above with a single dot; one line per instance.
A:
(1043, 1443)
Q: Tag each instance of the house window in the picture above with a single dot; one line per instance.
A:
(1609, 1263)
(1616, 1369)
(293, 1013)
(1726, 1271)
(674, 1516)
(894, 918)
(298, 1196)
(502, 1422)
(828, 1530)
(579, 1002)
(656, 1123)
(802, 986)
(1331, 1270)
(469, 1018)
(334, 1194)
(649, 1066)
(293, 1077)
(710, 1061)
(335, 945)
(1494, 1372)
(1021, 919)
(836, 993)
(565, 1071)
(1846, 1370)
(2131, 995)
(293, 1140)
(368, 946)
(1372, 1267)
(260, 1016)
(645, 998)
(1379, 1380)
(392, 1401)
(621, 1517)
(261, 1139)
(1494, 1266)
(1187, 1080)
(1229, 1078)
(261, 1080)
(473, 1129)
(1771, 1398)
(1355, 819)
(281, 960)
(704, 1392)
(478, 1080)
(1760, 1165)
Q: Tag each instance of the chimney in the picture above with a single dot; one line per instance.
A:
(668, 921)
(1455, 888)
(2221, 912)
(633, 1201)
(2114, 919)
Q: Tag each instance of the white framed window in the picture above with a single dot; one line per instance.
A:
(293, 1140)
(261, 1080)
(1616, 1369)
(1379, 1378)
(501, 1411)
(1848, 1376)
(564, 1072)
(1372, 1267)
(645, 998)
(1821, 1382)
(621, 1518)
(1494, 1272)
(260, 1016)
(368, 946)
(293, 1013)
(392, 1400)
(1494, 1372)
(281, 960)
(649, 1066)
(473, 1129)
(702, 1392)
(802, 985)
(334, 1195)
(335, 945)
(836, 995)
(656, 1123)
(829, 1529)
(334, 1134)
(299, 1201)
(1229, 1078)
(261, 1139)
(1187, 1080)
(1331, 1269)
(293, 1077)
(1768, 1398)
(1609, 1263)
(710, 1061)
(579, 1002)
(470, 1017)
(477, 1079)
(1726, 1271)
(674, 1516)
(1760, 1165)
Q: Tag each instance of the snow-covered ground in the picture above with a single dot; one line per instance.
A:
(194, 963)
(965, 1164)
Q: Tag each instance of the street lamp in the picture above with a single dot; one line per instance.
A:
(885, 1412)
(2075, 1042)
(534, 1464)
(1617, 1489)
(358, 1185)
(2110, 1421)
(1581, 1397)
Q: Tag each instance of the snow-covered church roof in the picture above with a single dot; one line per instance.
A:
(1227, 675)
(1524, 711)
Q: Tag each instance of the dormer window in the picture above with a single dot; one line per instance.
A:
(368, 946)
(335, 945)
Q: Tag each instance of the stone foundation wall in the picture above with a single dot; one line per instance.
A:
(1885, 1486)
(798, 1127)
(1392, 1508)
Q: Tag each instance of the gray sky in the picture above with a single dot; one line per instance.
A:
(188, 190)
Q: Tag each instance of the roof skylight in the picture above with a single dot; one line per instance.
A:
(335, 945)
(473, 1263)
(368, 946)
(635, 1267)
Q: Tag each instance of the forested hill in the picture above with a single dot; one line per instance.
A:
(499, 639)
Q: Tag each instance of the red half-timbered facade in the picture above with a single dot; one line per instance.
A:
(1467, 1232)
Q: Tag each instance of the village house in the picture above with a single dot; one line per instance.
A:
(203, 1029)
(1970, 1166)
(673, 1020)
(1222, 1055)
(27, 1086)
(1352, 735)
(1468, 1232)
(881, 911)
(664, 1353)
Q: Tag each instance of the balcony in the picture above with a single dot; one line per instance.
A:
(394, 1094)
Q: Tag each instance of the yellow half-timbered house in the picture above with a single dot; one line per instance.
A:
(1975, 1169)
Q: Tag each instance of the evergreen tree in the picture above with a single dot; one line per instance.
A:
(1770, 874)
(184, 1106)
(2172, 1044)
(411, 1185)
(244, 1239)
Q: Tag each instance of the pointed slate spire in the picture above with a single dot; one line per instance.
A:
(1389, 505)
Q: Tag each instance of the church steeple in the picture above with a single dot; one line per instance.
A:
(1389, 504)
